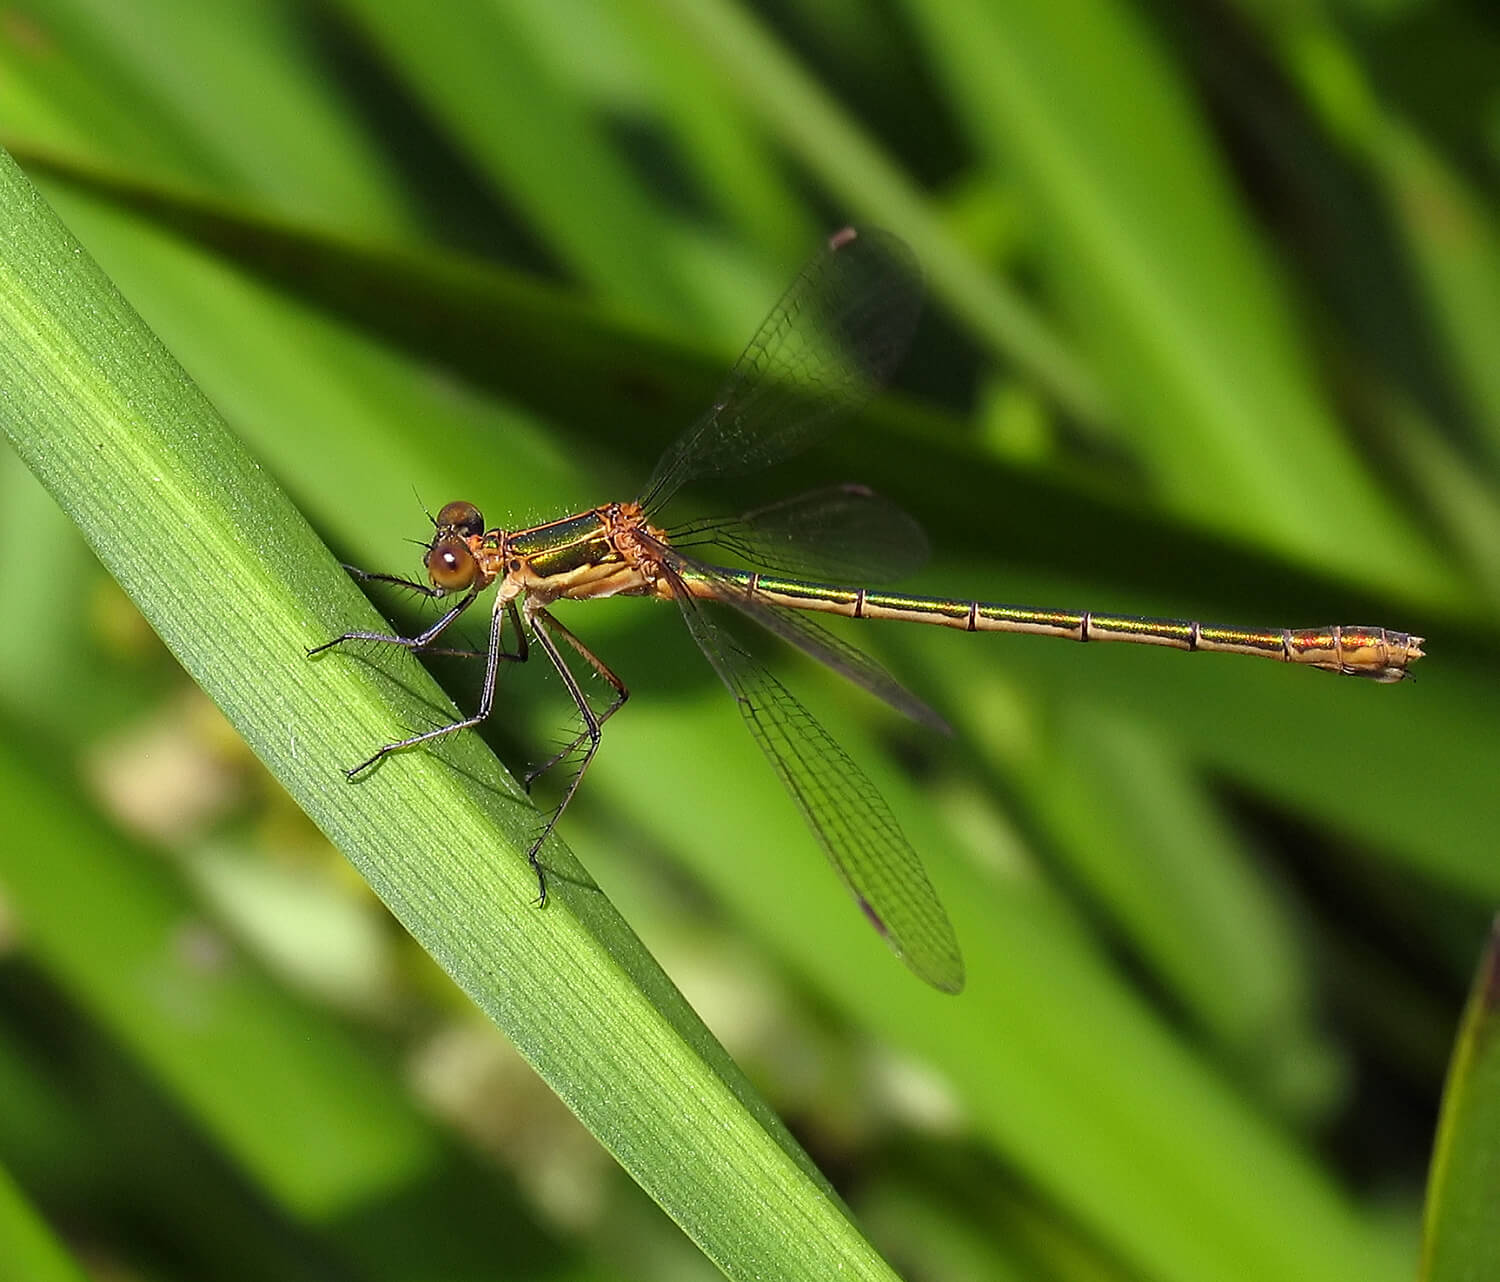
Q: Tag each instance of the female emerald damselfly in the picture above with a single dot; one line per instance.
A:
(833, 338)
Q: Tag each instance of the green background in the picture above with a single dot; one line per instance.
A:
(1215, 297)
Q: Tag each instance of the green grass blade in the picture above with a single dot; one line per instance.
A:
(237, 585)
(1461, 1238)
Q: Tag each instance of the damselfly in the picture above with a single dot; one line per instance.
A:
(827, 345)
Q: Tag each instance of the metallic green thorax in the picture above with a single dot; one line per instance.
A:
(560, 546)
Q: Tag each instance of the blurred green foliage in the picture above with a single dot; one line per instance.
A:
(1215, 302)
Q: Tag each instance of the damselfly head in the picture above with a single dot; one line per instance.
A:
(450, 560)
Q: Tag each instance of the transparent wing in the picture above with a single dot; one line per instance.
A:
(844, 533)
(850, 819)
(834, 337)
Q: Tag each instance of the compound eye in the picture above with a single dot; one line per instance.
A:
(451, 566)
(463, 517)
